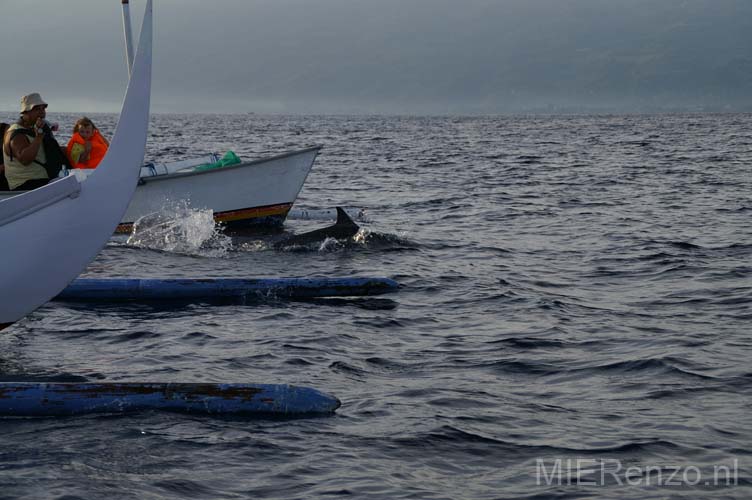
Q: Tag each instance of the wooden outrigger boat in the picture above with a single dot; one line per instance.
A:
(71, 218)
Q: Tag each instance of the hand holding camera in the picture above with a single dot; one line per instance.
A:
(39, 127)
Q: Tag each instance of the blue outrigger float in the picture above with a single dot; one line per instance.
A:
(28, 399)
(182, 289)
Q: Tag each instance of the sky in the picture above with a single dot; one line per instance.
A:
(387, 56)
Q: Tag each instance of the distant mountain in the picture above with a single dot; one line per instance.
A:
(390, 56)
(507, 55)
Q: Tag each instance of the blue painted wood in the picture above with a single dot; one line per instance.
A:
(27, 399)
(113, 289)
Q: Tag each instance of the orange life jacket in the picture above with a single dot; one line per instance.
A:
(98, 150)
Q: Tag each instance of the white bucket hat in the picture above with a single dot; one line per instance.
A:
(29, 101)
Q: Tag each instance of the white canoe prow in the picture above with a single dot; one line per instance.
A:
(49, 235)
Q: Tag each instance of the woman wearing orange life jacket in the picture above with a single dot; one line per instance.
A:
(87, 147)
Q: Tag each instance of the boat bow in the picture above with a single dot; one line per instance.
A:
(49, 235)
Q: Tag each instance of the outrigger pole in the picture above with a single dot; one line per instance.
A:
(128, 34)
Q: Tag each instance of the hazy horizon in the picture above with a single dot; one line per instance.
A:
(435, 57)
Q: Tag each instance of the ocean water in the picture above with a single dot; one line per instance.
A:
(574, 320)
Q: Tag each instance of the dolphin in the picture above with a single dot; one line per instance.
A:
(344, 228)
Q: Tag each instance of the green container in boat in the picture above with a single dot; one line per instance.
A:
(230, 158)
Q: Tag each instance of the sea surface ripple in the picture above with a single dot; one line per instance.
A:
(573, 288)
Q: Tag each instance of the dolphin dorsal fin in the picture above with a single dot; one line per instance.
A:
(343, 219)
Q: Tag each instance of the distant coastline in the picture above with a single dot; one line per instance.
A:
(542, 111)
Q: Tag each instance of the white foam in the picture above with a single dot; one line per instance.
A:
(178, 228)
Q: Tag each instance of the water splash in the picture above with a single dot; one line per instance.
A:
(331, 245)
(252, 246)
(178, 228)
(366, 238)
(361, 237)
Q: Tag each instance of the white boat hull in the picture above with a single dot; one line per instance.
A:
(259, 191)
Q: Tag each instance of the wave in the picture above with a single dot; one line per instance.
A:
(653, 366)
(668, 366)
(458, 441)
(531, 343)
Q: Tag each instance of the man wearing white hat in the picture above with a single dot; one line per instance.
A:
(28, 160)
